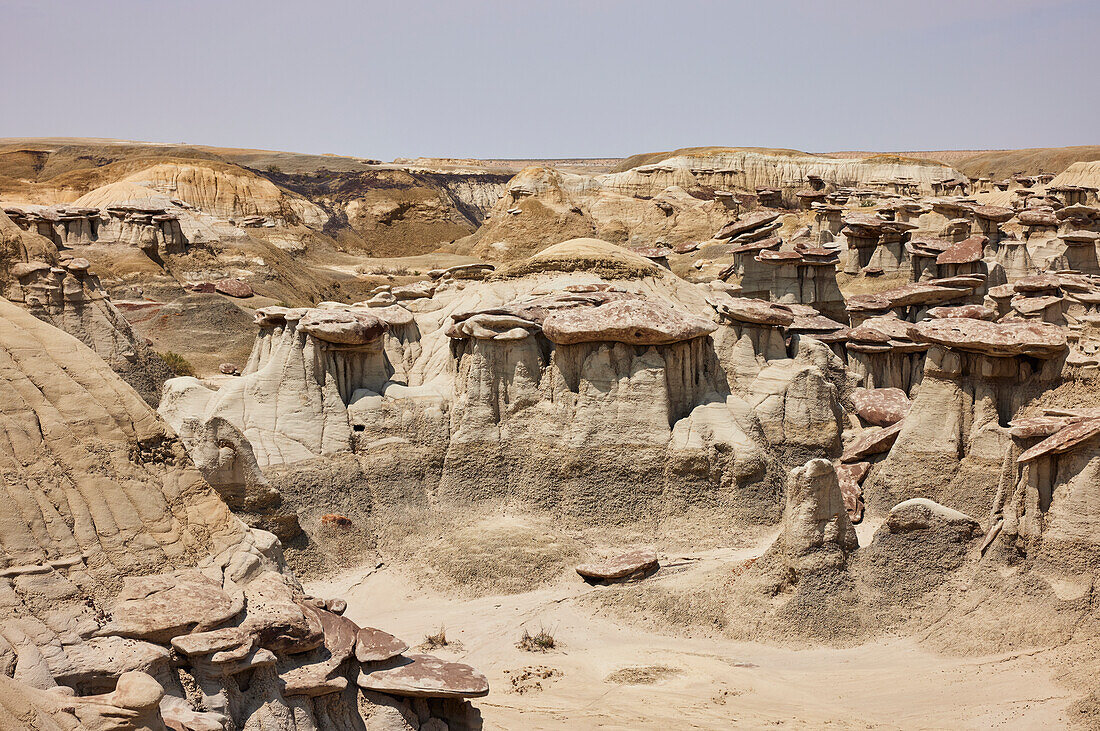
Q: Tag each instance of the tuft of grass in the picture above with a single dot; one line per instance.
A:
(542, 641)
(439, 639)
(179, 365)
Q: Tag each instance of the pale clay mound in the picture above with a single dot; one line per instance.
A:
(839, 414)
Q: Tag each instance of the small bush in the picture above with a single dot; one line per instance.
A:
(540, 642)
(179, 365)
(439, 639)
(385, 271)
(273, 168)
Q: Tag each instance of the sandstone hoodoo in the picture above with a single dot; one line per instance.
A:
(316, 442)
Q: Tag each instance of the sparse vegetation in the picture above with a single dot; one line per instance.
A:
(541, 641)
(179, 365)
(388, 271)
(273, 168)
(439, 639)
(643, 675)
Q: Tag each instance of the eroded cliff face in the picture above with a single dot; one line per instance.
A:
(220, 190)
(399, 211)
(132, 596)
(64, 291)
(676, 199)
(527, 388)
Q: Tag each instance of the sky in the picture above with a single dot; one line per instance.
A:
(542, 79)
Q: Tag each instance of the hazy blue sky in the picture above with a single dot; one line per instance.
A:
(527, 78)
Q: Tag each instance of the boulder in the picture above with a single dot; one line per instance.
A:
(425, 676)
(233, 288)
(374, 645)
(620, 566)
(870, 442)
(881, 406)
(924, 514)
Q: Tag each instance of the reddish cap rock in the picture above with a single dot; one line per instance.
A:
(1064, 440)
(964, 252)
(881, 406)
(850, 477)
(753, 311)
(374, 645)
(425, 676)
(233, 288)
(747, 223)
(875, 440)
(998, 339)
(974, 312)
(632, 321)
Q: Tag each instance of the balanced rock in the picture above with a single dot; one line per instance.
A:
(342, 326)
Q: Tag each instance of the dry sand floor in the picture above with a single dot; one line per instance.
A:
(605, 673)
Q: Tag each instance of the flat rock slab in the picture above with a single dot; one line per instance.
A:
(881, 330)
(881, 406)
(1038, 218)
(425, 676)
(875, 440)
(998, 339)
(972, 312)
(1040, 426)
(997, 214)
(850, 477)
(636, 322)
(374, 645)
(753, 311)
(1064, 440)
(746, 223)
(923, 293)
(619, 567)
(233, 288)
(158, 608)
(207, 643)
(965, 252)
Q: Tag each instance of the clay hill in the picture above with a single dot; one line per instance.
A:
(717, 437)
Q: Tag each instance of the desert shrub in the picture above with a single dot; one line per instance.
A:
(179, 365)
(538, 642)
(439, 639)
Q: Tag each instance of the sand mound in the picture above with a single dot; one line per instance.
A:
(587, 255)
